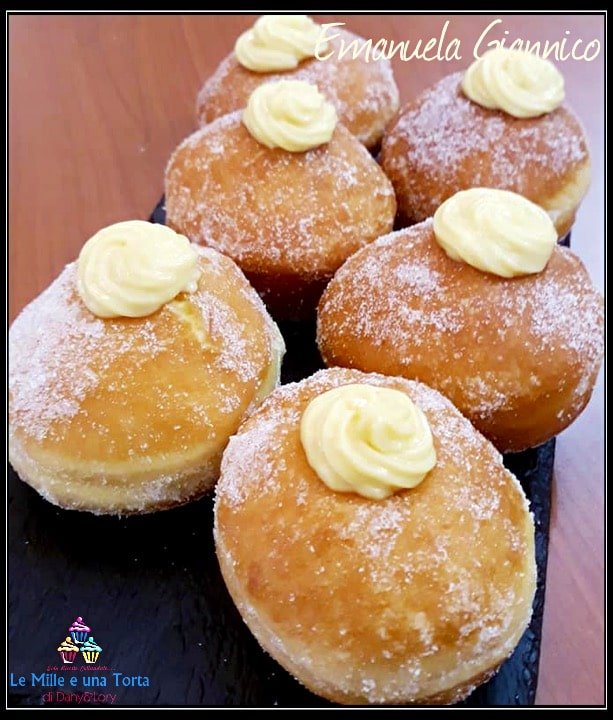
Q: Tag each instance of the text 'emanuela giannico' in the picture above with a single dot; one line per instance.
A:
(446, 48)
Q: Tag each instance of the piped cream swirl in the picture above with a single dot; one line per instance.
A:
(369, 440)
(289, 114)
(277, 42)
(132, 268)
(516, 81)
(496, 231)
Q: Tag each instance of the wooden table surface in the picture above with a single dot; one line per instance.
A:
(96, 105)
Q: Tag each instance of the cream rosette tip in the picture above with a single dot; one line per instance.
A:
(516, 81)
(373, 441)
(277, 42)
(496, 231)
(133, 268)
(290, 114)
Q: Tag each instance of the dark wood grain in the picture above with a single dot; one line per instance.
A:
(96, 105)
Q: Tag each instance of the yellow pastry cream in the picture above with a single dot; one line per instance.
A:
(518, 82)
(131, 269)
(277, 42)
(289, 114)
(496, 231)
(373, 441)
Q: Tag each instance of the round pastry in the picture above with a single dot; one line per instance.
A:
(282, 189)
(498, 125)
(130, 372)
(373, 541)
(517, 353)
(283, 47)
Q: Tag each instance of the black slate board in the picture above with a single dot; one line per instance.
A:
(151, 590)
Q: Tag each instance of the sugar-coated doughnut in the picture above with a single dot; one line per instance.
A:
(416, 598)
(288, 219)
(442, 142)
(131, 415)
(364, 94)
(519, 357)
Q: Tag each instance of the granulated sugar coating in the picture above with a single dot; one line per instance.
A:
(273, 209)
(443, 142)
(518, 357)
(375, 601)
(289, 220)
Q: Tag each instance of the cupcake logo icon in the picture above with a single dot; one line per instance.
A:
(68, 651)
(79, 640)
(90, 651)
(79, 631)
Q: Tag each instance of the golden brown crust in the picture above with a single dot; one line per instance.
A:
(415, 598)
(288, 219)
(442, 143)
(364, 94)
(132, 415)
(518, 357)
